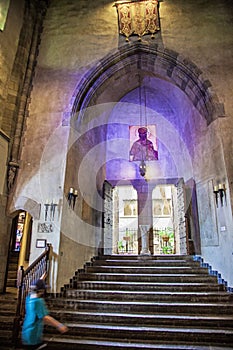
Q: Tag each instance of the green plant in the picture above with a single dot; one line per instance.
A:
(167, 249)
(121, 246)
(167, 236)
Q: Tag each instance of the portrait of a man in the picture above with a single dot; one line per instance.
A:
(143, 143)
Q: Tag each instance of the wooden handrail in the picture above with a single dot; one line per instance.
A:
(25, 279)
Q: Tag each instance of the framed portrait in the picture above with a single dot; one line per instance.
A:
(143, 143)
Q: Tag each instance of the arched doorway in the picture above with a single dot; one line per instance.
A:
(173, 227)
(104, 114)
(164, 228)
(19, 248)
(127, 215)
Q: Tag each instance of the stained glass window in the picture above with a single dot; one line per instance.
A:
(4, 5)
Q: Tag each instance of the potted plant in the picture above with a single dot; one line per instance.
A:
(167, 236)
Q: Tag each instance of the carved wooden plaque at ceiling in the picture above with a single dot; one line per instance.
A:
(138, 18)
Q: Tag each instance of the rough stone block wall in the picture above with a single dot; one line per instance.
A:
(9, 39)
(19, 46)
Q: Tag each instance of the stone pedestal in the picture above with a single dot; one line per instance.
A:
(144, 232)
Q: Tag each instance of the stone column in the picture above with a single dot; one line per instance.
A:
(145, 217)
(144, 233)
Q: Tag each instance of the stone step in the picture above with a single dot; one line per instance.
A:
(12, 269)
(7, 308)
(144, 307)
(150, 302)
(6, 321)
(13, 259)
(134, 262)
(6, 339)
(8, 304)
(150, 333)
(178, 320)
(147, 269)
(149, 286)
(13, 266)
(148, 277)
(167, 257)
(149, 296)
(11, 282)
(7, 314)
(12, 274)
(73, 343)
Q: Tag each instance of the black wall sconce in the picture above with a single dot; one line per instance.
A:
(220, 192)
(51, 211)
(72, 195)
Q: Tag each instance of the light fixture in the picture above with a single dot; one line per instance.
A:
(142, 149)
(52, 207)
(142, 165)
(142, 168)
(220, 192)
(72, 195)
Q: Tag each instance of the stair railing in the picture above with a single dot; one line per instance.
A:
(25, 279)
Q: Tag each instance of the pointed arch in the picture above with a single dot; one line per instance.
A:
(152, 60)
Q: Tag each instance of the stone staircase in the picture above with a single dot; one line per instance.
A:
(12, 269)
(8, 303)
(143, 302)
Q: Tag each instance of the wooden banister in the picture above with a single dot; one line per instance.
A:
(25, 279)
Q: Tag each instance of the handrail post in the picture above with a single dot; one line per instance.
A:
(48, 248)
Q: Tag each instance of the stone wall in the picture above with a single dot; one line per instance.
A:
(9, 39)
(19, 46)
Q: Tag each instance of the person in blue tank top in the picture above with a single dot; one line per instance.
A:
(36, 316)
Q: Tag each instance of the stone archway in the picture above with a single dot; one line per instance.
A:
(118, 74)
(159, 61)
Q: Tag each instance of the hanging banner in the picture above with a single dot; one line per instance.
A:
(138, 18)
